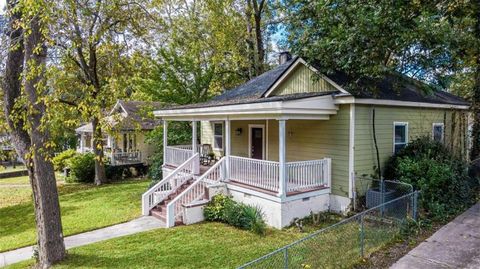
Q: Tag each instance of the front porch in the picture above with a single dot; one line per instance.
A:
(120, 149)
(251, 161)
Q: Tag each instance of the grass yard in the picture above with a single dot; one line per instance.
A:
(205, 245)
(84, 208)
(216, 245)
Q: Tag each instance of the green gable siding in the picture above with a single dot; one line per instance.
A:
(420, 121)
(302, 80)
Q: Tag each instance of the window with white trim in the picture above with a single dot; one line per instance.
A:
(438, 132)
(218, 135)
(400, 136)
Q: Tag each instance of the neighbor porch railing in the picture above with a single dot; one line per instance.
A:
(301, 175)
(118, 158)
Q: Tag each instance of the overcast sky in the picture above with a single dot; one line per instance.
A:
(2, 5)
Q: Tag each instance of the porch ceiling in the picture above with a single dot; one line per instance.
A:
(314, 108)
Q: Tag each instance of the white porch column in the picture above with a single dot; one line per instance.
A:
(194, 137)
(227, 148)
(196, 165)
(282, 190)
(82, 142)
(165, 135)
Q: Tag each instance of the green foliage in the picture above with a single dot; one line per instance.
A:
(441, 177)
(223, 209)
(368, 39)
(82, 168)
(61, 160)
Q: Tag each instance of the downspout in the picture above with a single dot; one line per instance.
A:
(375, 143)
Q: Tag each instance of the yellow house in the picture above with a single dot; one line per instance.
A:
(293, 141)
(125, 143)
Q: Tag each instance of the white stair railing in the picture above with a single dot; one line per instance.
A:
(169, 184)
(194, 192)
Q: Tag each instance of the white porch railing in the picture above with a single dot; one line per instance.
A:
(195, 192)
(169, 184)
(306, 175)
(176, 155)
(302, 175)
(125, 157)
(257, 173)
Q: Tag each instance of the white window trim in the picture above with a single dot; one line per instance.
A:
(223, 135)
(399, 123)
(250, 126)
(435, 124)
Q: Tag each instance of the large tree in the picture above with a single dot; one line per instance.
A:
(24, 105)
(92, 40)
(367, 39)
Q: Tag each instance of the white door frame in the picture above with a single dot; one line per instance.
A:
(250, 126)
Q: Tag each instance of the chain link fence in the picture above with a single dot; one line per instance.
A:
(346, 242)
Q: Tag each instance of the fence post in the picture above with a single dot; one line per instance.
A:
(285, 258)
(362, 236)
(415, 205)
(382, 196)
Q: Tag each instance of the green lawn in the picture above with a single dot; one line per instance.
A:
(205, 245)
(84, 208)
(215, 245)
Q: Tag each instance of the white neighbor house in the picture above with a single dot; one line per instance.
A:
(291, 144)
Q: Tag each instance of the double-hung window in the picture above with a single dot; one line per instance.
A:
(218, 135)
(400, 136)
(438, 132)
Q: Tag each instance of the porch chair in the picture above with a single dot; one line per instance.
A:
(206, 154)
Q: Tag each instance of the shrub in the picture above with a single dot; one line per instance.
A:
(441, 177)
(223, 209)
(60, 161)
(82, 168)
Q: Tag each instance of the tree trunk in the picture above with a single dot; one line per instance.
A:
(100, 175)
(31, 148)
(51, 247)
(475, 152)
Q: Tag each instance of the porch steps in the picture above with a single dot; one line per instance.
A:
(160, 210)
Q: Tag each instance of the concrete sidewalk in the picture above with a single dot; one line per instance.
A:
(455, 245)
(135, 226)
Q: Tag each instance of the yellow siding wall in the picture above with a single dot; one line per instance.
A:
(306, 140)
(302, 80)
(420, 121)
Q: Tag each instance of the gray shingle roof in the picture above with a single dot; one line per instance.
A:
(139, 117)
(393, 87)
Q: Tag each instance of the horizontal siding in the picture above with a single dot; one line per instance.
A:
(420, 121)
(303, 80)
(306, 140)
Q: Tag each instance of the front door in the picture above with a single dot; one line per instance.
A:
(256, 143)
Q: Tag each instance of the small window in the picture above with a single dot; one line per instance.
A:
(438, 132)
(218, 135)
(400, 136)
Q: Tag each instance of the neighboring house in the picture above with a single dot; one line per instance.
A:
(292, 144)
(129, 122)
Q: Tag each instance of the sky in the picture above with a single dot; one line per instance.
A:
(2, 5)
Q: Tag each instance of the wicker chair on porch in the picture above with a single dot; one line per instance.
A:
(206, 154)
